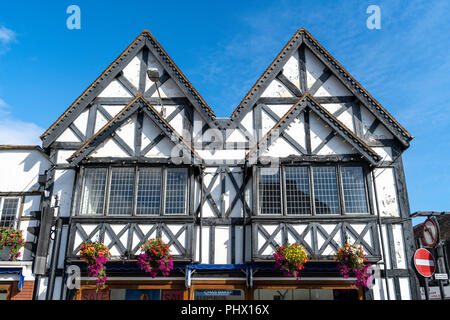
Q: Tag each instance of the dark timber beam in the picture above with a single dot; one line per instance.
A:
(320, 81)
(126, 84)
(292, 100)
(288, 84)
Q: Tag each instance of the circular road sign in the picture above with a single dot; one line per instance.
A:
(424, 262)
(430, 233)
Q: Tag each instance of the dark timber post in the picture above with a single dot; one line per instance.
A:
(55, 255)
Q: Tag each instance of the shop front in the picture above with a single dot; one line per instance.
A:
(225, 283)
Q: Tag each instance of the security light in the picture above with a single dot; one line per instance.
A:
(153, 74)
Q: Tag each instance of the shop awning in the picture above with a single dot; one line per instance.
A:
(17, 271)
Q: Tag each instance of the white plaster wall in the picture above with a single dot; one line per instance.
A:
(100, 121)
(108, 148)
(336, 145)
(405, 288)
(127, 131)
(115, 89)
(239, 244)
(276, 89)
(174, 228)
(165, 148)
(379, 289)
(267, 123)
(384, 152)
(112, 110)
(149, 132)
(222, 245)
(67, 136)
(81, 121)
(346, 118)
(230, 193)
(215, 192)
(386, 192)
(63, 187)
(280, 148)
(261, 240)
(205, 244)
(297, 130)
(399, 246)
(177, 121)
(31, 203)
(367, 118)
(236, 136)
(63, 155)
(132, 70)
(332, 87)
(20, 170)
(314, 68)
(291, 69)
(248, 123)
(62, 247)
(319, 131)
(214, 157)
(386, 259)
(25, 254)
(197, 126)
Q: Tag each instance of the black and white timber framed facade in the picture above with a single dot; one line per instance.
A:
(308, 156)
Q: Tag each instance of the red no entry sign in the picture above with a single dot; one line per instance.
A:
(424, 262)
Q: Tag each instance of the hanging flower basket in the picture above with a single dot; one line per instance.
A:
(11, 240)
(96, 254)
(155, 258)
(290, 258)
(351, 258)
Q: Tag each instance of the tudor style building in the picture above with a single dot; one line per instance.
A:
(308, 156)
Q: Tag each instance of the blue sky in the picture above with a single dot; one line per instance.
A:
(223, 47)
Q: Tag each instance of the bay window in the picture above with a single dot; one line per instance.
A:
(134, 191)
(312, 190)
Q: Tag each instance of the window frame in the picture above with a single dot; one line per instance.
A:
(340, 190)
(16, 215)
(282, 205)
(366, 189)
(163, 169)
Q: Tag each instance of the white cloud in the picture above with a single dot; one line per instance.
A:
(15, 131)
(7, 36)
(2, 104)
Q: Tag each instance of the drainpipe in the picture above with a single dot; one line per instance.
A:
(201, 214)
(55, 255)
(245, 216)
(381, 235)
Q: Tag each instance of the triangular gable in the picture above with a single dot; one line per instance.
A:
(275, 73)
(109, 131)
(307, 102)
(115, 73)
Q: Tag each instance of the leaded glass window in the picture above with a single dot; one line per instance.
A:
(149, 191)
(134, 191)
(176, 181)
(297, 190)
(269, 191)
(8, 213)
(326, 197)
(355, 200)
(121, 191)
(94, 191)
